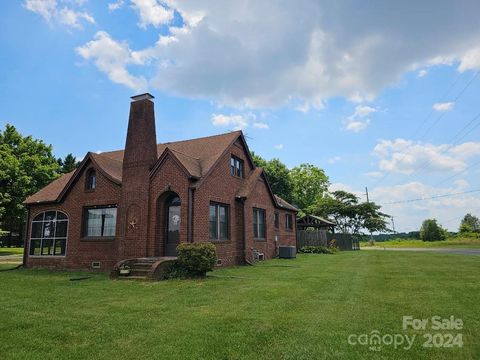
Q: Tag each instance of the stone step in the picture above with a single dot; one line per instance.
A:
(141, 266)
(132, 277)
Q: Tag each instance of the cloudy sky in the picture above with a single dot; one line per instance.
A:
(384, 95)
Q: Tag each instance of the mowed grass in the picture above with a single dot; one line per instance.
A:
(454, 243)
(11, 251)
(281, 309)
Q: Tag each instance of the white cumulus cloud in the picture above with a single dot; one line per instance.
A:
(112, 58)
(442, 107)
(405, 156)
(297, 54)
(64, 12)
(152, 12)
(239, 122)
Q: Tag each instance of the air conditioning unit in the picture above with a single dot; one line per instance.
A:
(261, 256)
(287, 252)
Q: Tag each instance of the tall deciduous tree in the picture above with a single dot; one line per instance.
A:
(26, 165)
(309, 185)
(432, 231)
(278, 176)
(351, 215)
(470, 223)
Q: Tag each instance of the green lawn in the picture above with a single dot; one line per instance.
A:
(299, 309)
(11, 251)
(454, 243)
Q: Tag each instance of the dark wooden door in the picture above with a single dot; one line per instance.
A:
(173, 226)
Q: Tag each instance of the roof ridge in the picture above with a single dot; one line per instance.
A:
(201, 137)
(107, 157)
(198, 159)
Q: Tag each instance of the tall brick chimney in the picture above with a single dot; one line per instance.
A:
(139, 157)
(141, 144)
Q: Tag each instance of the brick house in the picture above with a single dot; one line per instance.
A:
(142, 201)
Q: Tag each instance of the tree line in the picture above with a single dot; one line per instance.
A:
(306, 187)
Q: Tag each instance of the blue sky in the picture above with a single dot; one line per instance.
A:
(378, 95)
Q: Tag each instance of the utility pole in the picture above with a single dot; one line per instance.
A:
(368, 201)
(393, 225)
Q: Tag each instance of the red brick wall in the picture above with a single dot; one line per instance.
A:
(222, 187)
(219, 186)
(169, 178)
(80, 252)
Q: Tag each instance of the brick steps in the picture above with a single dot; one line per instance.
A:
(141, 268)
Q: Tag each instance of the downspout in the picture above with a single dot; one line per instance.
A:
(190, 215)
(242, 201)
(25, 241)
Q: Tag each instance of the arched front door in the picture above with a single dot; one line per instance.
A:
(172, 228)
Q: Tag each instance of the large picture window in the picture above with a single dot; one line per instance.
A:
(218, 227)
(258, 223)
(100, 222)
(49, 234)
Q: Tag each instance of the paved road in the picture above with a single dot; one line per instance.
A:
(441, 250)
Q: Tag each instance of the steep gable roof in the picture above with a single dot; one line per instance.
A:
(50, 192)
(197, 156)
(249, 185)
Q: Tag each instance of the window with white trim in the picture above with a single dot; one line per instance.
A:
(48, 235)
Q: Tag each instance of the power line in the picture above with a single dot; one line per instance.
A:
(438, 119)
(430, 198)
(456, 174)
(427, 163)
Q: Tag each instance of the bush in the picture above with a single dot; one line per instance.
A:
(318, 250)
(194, 260)
(432, 231)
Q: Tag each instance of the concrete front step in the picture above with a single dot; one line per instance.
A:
(142, 268)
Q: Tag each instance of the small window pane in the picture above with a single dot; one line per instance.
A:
(37, 229)
(110, 222)
(61, 229)
(91, 180)
(255, 223)
(239, 168)
(35, 247)
(276, 220)
(60, 245)
(61, 216)
(50, 215)
(94, 222)
(47, 247)
(223, 218)
(232, 165)
(49, 229)
(39, 217)
(261, 224)
(212, 228)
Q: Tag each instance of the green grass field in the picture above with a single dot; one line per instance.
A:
(281, 309)
(11, 251)
(454, 243)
